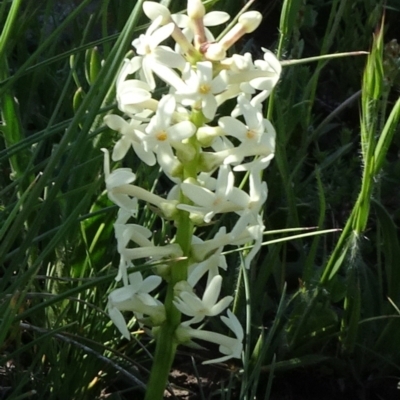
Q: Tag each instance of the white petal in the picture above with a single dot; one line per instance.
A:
(161, 34)
(147, 157)
(209, 107)
(168, 57)
(218, 84)
(121, 295)
(121, 148)
(120, 176)
(154, 10)
(221, 305)
(147, 71)
(233, 127)
(150, 283)
(214, 18)
(168, 75)
(131, 92)
(192, 302)
(124, 201)
(263, 83)
(212, 291)
(204, 71)
(253, 118)
(181, 130)
(233, 324)
(118, 319)
(180, 19)
(115, 122)
(197, 194)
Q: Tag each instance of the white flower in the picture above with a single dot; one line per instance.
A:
(237, 65)
(116, 179)
(257, 136)
(155, 58)
(124, 233)
(168, 207)
(246, 77)
(162, 134)
(203, 250)
(133, 96)
(134, 297)
(271, 67)
(230, 347)
(256, 232)
(132, 135)
(250, 204)
(211, 266)
(189, 304)
(200, 88)
(208, 203)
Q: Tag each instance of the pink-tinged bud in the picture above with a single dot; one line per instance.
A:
(154, 10)
(250, 21)
(196, 12)
(195, 9)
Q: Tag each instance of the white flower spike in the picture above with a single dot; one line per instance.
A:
(172, 102)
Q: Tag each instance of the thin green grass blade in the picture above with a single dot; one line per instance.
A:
(391, 249)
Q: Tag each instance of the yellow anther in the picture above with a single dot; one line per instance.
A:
(162, 136)
(204, 88)
(250, 134)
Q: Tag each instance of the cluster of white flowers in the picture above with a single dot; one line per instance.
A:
(198, 150)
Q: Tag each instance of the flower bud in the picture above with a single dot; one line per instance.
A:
(168, 209)
(206, 134)
(195, 9)
(182, 286)
(154, 10)
(250, 21)
(164, 270)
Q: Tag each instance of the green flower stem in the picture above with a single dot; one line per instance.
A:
(166, 343)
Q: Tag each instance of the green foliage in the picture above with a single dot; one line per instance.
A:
(330, 300)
